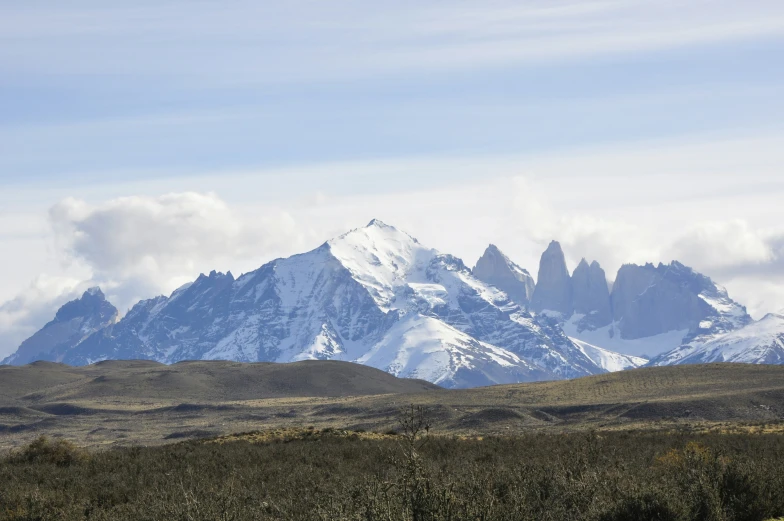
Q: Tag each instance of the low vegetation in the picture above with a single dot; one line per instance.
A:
(410, 474)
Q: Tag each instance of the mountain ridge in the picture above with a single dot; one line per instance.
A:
(376, 296)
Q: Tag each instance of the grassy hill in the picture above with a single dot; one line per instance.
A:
(144, 402)
(203, 381)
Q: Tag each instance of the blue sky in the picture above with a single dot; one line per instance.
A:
(627, 129)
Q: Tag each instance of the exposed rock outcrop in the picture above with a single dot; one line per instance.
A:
(591, 295)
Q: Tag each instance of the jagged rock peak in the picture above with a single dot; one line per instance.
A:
(554, 247)
(553, 287)
(73, 322)
(216, 275)
(92, 303)
(95, 291)
(495, 268)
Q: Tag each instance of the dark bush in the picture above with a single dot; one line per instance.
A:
(647, 507)
(46, 451)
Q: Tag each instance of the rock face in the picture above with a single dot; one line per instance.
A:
(584, 293)
(650, 300)
(591, 296)
(496, 269)
(374, 296)
(553, 285)
(650, 310)
(72, 324)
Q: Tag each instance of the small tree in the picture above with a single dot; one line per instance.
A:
(415, 485)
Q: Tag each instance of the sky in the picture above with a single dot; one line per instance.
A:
(143, 142)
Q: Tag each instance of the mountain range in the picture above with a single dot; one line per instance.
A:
(378, 297)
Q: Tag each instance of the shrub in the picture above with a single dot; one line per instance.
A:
(44, 450)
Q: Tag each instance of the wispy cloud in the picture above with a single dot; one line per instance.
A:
(256, 42)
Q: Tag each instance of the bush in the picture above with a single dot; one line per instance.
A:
(46, 451)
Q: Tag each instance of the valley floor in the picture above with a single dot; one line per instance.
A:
(714, 397)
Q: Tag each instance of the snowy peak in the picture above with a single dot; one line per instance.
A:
(496, 269)
(381, 258)
(378, 223)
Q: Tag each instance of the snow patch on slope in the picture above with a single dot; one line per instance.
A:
(609, 360)
(423, 347)
(609, 339)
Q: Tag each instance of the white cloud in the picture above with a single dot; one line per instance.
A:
(137, 247)
(721, 245)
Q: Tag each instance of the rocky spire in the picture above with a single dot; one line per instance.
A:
(553, 286)
(591, 296)
(496, 269)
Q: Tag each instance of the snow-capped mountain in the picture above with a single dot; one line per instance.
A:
(374, 296)
(760, 342)
(73, 323)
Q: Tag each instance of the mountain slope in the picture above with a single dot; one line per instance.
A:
(374, 296)
(760, 342)
(609, 360)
